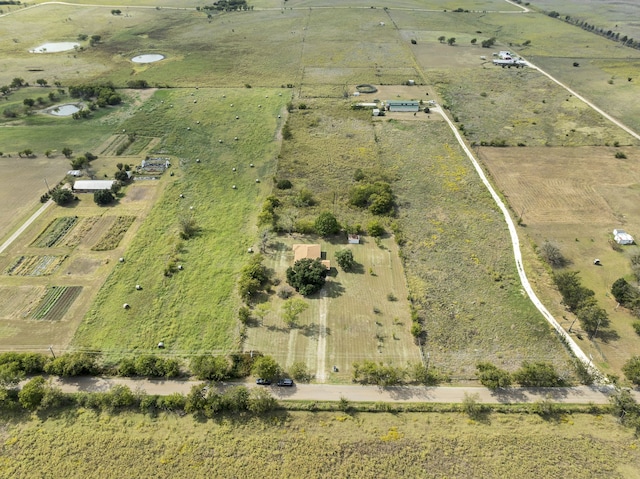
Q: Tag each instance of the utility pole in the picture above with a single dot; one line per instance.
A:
(51, 350)
(45, 182)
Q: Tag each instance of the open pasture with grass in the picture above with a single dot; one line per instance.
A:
(575, 197)
(457, 254)
(319, 444)
(362, 314)
(193, 308)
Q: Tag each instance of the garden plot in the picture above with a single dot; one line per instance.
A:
(111, 239)
(35, 265)
(55, 232)
(56, 302)
(18, 301)
(83, 227)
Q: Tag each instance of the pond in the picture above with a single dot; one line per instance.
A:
(54, 47)
(63, 110)
(148, 58)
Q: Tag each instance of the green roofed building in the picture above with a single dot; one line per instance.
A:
(402, 105)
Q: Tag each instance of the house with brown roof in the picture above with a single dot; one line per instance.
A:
(309, 251)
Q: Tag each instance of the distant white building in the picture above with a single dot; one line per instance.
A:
(622, 237)
(91, 186)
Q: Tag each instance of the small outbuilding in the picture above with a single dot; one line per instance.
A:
(622, 237)
(353, 239)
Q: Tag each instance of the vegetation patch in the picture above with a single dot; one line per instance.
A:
(111, 239)
(80, 231)
(56, 302)
(35, 265)
(55, 232)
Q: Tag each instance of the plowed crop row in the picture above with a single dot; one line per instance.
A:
(35, 265)
(55, 232)
(56, 302)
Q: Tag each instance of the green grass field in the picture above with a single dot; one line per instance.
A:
(193, 310)
(295, 444)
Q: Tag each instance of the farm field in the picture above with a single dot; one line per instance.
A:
(318, 444)
(575, 197)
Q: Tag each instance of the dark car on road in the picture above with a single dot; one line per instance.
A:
(263, 382)
(285, 383)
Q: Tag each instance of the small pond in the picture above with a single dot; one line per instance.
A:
(55, 47)
(63, 110)
(148, 58)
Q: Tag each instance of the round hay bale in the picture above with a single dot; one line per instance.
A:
(259, 106)
(235, 138)
(278, 116)
(257, 180)
(181, 195)
(180, 267)
(234, 187)
(197, 160)
(232, 105)
(198, 122)
(233, 169)
(126, 306)
(250, 250)
(188, 128)
(190, 207)
(161, 345)
(251, 165)
(138, 287)
(219, 141)
(121, 260)
(237, 117)
(195, 101)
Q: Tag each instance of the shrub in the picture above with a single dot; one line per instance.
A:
(631, 370)
(326, 224)
(31, 394)
(266, 367)
(299, 372)
(244, 315)
(72, 364)
(537, 374)
(636, 327)
(620, 155)
(551, 253)
(213, 368)
(103, 197)
(493, 377)
(284, 184)
(260, 401)
(375, 229)
(345, 259)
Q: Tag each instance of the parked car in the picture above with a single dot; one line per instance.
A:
(285, 383)
(263, 382)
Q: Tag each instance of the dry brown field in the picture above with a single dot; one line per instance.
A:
(575, 197)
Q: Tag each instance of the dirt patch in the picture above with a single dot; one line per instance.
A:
(567, 185)
(18, 301)
(83, 266)
(138, 192)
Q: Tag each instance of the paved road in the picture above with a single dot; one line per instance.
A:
(333, 392)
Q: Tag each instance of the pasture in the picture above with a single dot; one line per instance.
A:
(77, 444)
(575, 197)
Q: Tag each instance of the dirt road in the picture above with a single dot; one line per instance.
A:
(333, 392)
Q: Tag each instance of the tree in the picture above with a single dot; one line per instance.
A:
(214, 368)
(471, 406)
(67, 152)
(551, 253)
(375, 229)
(573, 293)
(253, 277)
(10, 375)
(17, 83)
(260, 401)
(451, 41)
(345, 259)
(299, 372)
(266, 367)
(488, 43)
(442, 38)
(41, 82)
(103, 197)
(493, 377)
(592, 318)
(29, 102)
(292, 308)
(326, 224)
(31, 394)
(95, 39)
(474, 41)
(624, 293)
(79, 162)
(307, 276)
(631, 370)
(62, 196)
(423, 375)
(122, 176)
(537, 374)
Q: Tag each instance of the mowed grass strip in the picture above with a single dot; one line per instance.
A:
(320, 444)
(195, 308)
